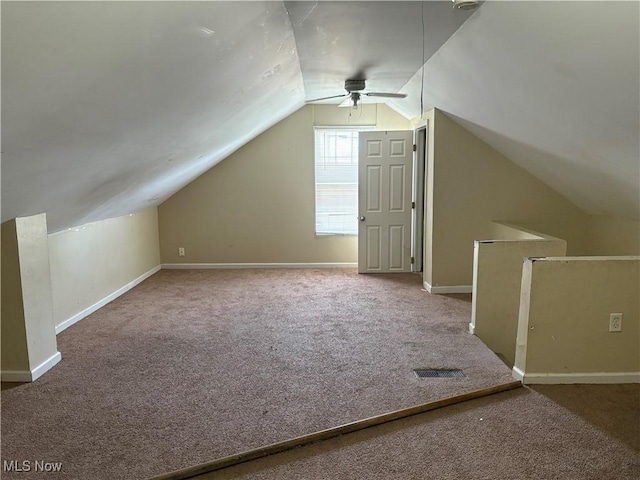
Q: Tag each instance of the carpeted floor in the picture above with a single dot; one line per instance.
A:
(194, 365)
(563, 432)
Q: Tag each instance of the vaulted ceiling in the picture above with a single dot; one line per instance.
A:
(555, 86)
(110, 107)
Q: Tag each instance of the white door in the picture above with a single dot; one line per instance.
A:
(385, 160)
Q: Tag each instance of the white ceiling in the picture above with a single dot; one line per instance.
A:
(555, 86)
(110, 107)
(379, 41)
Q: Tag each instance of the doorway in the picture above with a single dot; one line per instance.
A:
(419, 198)
(385, 167)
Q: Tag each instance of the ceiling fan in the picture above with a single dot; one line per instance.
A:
(355, 89)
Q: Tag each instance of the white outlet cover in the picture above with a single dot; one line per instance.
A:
(615, 322)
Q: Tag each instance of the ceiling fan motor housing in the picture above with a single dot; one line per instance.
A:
(354, 85)
(465, 4)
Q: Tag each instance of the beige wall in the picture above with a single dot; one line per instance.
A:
(36, 288)
(563, 325)
(497, 279)
(28, 334)
(15, 356)
(91, 262)
(258, 205)
(427, 255)
(474, 185)
(505, 231)
(613, 236)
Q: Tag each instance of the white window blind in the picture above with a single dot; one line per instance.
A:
(336, 178)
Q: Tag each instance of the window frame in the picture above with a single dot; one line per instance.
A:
(316, 128)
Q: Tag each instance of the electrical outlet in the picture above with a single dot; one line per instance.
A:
(181, 251)
(615, 322)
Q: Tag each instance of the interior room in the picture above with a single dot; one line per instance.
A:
(236, 233)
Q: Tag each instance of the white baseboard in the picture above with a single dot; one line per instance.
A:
(571, 378)
(472, 329)
(517, 374)
(101, 303)
(33, 375)
(229, 266)
(442, 289)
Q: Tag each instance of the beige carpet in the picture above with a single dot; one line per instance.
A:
(194, 365)
(576, 432)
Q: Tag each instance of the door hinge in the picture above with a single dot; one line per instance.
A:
(415, 147)
(413, 260)
(413, 204)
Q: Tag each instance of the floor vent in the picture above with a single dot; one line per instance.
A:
(425, 373)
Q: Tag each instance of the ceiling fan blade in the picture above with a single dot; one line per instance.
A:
(347, 102)
(327, 98)
(388, 95)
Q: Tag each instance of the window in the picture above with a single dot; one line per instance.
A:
(336, 168)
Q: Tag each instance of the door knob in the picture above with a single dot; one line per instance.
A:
(362, 219)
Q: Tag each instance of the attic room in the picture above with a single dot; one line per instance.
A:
(173, 293)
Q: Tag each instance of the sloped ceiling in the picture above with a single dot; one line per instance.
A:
(555, 86)
(111, 107)
(379, 41)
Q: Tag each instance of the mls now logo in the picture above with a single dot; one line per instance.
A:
(29, 466)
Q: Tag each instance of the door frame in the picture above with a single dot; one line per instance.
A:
(419, 197)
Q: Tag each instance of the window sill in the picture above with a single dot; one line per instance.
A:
(336, 234)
